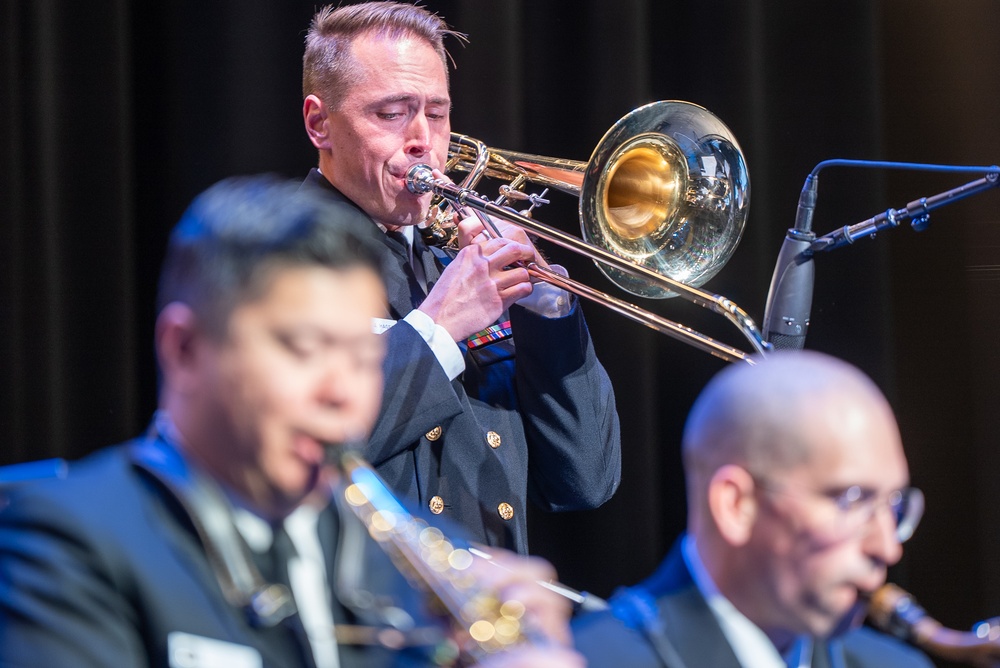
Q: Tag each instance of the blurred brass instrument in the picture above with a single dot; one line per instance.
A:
(896, 612)
(663, 202)
(434, 565)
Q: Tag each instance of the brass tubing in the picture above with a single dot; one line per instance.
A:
(421, 180)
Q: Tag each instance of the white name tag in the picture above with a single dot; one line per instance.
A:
(379, 325)
(190, 651)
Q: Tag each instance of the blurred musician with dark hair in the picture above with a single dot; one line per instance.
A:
(211, 540)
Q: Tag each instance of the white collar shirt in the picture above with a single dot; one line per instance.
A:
(306, 574)
(752, 647)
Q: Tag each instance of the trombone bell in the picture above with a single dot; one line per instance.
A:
(640, 191)
(667, 188)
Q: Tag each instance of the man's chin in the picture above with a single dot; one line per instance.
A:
(408, 209)
(310, 484)
(852, 619)
(835, 621)
(291, 495)
(412, 217)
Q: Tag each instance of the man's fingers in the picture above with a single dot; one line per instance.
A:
(470, 230)
(533, 657)
(512, 277)
(502, 253)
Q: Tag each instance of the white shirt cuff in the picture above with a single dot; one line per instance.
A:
(548, 300)
(447, 352)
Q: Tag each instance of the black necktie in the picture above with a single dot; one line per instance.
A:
(425, 256)
(399, 245)
(821, 654)
(273, 566)
(274, 563)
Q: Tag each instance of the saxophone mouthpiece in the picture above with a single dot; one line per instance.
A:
(895, 611)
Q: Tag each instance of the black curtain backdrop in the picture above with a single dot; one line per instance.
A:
(114, 114)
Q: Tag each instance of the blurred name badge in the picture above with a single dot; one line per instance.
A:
(191, 651)
(379, 325)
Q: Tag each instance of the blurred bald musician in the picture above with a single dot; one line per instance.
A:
(798, 501)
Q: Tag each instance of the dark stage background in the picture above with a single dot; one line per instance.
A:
(115, 114)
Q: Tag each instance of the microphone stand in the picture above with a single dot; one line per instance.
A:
(918, 212)
(789, 299)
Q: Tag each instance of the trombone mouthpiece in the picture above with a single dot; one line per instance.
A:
(419, 178)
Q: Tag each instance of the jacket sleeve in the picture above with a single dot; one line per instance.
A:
(568, 410)
(58, 605)
(418, 395)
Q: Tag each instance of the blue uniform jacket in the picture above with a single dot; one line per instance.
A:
(540, 424)
(692, 631)
(104, 567)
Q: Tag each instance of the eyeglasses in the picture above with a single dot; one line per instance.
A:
(855, 507)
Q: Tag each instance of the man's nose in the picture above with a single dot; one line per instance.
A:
(334, 381)
(881, 539)
(418, 136)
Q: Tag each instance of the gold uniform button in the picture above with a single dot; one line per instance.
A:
(434, 434)
(436, 505)
(506, 510)
(493, 439)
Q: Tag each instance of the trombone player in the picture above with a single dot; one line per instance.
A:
(494, 394)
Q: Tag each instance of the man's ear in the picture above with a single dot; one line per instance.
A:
(732, 503)
(177, 334)
(314, 115)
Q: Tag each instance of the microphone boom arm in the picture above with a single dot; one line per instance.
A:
(917, 210)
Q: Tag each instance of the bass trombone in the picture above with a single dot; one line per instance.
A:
(663, 201)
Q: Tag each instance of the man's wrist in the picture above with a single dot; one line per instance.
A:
(445, 350)
(548, 300)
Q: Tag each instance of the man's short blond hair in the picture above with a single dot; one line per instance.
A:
(328, 69)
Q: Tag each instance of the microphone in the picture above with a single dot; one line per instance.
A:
(789, 298)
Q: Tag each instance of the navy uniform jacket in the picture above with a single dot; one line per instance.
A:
(541, 425)
(694, 633)
(99, 569)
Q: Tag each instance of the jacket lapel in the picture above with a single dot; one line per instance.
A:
(688, 621)
(162, 463)
(401, 286)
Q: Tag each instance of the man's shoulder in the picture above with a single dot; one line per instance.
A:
(868, 648)
(603, 639)
(101, 485)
